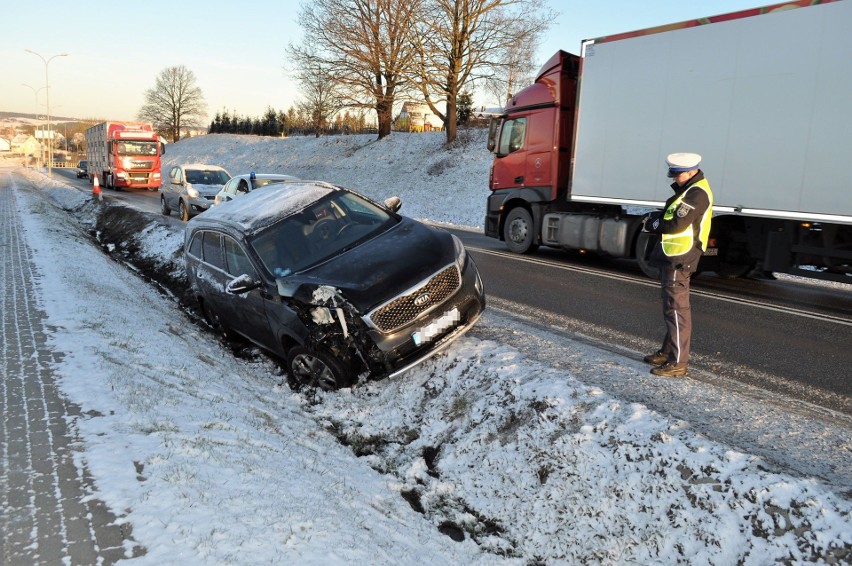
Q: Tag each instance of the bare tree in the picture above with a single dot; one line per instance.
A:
(516, 64)
(364, 47)
(323, 96)
(460, 42)
(174, 102)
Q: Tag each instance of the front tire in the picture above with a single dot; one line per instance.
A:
(519, 231)
(183, 211)
(164, 207)
(318, 368)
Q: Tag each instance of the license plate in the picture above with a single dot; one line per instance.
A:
(712, 251)
(436, 327)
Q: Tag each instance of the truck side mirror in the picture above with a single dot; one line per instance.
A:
(493, 129)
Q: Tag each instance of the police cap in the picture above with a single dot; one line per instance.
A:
(680, 162)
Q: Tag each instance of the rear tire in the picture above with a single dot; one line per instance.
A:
(519, 231)
(213, 321)
(315, 367)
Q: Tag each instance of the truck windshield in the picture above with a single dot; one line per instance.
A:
(137, 148)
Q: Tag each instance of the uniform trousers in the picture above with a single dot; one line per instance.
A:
(676, 314)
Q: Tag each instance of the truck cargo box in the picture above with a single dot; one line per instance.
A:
(765, 99)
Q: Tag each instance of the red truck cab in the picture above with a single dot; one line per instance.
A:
(532, 143)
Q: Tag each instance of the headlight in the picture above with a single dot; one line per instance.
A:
(461, 253)
(193, 193)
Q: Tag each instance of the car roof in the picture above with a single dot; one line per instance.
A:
(259, 209)
(201, 166)
(266, 176)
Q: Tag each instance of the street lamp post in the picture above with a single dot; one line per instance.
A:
(35, 93)
(47, 97)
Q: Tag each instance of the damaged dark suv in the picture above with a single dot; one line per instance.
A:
(338, 285)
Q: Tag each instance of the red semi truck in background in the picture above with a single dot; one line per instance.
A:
(763, 95)
(124, 155)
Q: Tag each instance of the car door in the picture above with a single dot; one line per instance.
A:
(173, 187)
(247, 309)
(228, 191)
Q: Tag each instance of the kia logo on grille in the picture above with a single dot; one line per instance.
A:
(422, 300)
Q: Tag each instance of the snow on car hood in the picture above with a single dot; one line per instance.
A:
(381, 268)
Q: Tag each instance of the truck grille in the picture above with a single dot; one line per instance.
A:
(136, 164)
(137, 178)
(414, 302)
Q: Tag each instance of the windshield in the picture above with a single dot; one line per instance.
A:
(326, 228)
(137, 148)
(206, 177)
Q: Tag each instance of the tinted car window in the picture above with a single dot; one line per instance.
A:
(324, 229)
(237, 261)
(195, 245)
(212, 246)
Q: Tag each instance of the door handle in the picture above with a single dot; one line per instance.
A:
(519, 179)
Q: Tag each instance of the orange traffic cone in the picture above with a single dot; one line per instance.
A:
(96, 188)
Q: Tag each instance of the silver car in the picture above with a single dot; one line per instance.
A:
(243, 184)
(191, 188)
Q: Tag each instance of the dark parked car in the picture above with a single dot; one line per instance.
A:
(82, 170)
(334, 283)
(242, 184)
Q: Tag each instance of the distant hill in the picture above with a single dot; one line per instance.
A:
(11, 116)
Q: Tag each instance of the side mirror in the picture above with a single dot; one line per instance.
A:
(394, 203)
(242, 284)
(493, 129)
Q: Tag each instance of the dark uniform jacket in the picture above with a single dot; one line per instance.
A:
(690, 211)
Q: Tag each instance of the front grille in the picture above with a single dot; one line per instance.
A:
(414, 302)
(141, 164)
(137, 177)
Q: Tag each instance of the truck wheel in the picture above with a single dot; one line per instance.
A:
(164, 208)
(729, 270)
(644, 246)
(318, 368)
(734, 259)
(519, 231)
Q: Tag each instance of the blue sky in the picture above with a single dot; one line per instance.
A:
(236, 49)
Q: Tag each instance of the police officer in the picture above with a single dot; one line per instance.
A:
(684, 227)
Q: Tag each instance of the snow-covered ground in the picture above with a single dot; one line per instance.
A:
(215, 460)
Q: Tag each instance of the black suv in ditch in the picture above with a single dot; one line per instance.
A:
(336, 284)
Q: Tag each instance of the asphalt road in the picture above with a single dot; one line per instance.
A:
(788, 337)
(791, 337)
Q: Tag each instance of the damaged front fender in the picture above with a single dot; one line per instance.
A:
(335, 324)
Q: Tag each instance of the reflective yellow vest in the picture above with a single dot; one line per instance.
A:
(681, 243)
